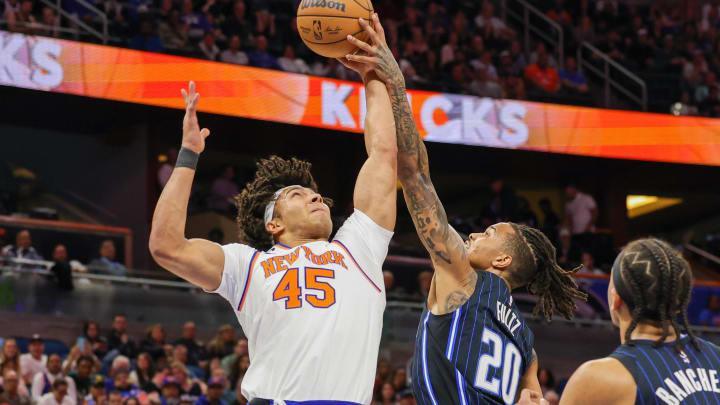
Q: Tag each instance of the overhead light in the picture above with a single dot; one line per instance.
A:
(638, 205)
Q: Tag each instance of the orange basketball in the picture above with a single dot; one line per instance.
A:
(325, 24)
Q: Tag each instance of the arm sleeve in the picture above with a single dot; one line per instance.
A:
(235, 272)
(367, 241)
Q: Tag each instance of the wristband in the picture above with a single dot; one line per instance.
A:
(187, 158)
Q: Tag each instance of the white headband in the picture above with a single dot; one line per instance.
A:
(270, 208)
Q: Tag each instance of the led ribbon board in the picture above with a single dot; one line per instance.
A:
(155, 79)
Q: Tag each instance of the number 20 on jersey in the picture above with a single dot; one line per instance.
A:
(321, 295)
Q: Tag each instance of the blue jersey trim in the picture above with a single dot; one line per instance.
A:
(424, 361)
(451, 337)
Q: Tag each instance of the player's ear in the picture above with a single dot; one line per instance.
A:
(614, 300)
(275, 226)
(502, 261)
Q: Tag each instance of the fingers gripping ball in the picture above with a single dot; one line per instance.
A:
(325, 24)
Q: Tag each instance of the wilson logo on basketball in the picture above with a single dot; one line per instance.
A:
(323, 4)
(317, 29)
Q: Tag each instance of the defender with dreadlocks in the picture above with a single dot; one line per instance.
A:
(311, 308)
(659, 360)
(472, 345)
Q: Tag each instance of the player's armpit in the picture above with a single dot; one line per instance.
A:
(197, 261)
(530, 379)
(600, 382)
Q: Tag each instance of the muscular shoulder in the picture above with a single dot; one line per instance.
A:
(601, 382)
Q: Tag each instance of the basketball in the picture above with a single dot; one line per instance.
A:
(325, 24)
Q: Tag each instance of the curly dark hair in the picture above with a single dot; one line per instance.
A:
(272, 174)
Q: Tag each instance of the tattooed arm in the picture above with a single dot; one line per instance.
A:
(454, 279)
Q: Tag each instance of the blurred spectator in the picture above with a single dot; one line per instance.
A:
(546, 380)
(237, 25)
(289, 63)
(147, 40)
(91, 337)
(106, 263)
(551, 221)
(24, 21)
(224, 190)
(10, 357)
(215, 388)
(503, 202)
(197, 23)
(61, 269)
(239, 367)
(228, 394)
(710, 316)
(35, 361)
(424, 280)
(118, 340)
(585, 32)
(525, 214)
(540, 51)
(543, 77)
(239, 398)
(518, 58)
(60, 394)
(154, 342)
(447, 53)
(22, 249)
(233, 54)
(143, 374)
(491, 26)
(572, 79)
(44, 381)
(49, 26)
(115, 398)
(173, 34)
(167, 167)
(400, 380)
(11, 394)
(240, 349)
(131, 401)
(567, 253)
(588, 263)
(208, 47)
(194, 347)
(580, 211)
(392, 291)
(189, 387)
(97, 392)
(387, 395)
(559, 14)
(260, 57)
(406, 397)
(485, 62)
(82, 377)
(484, 86)
(120, 380)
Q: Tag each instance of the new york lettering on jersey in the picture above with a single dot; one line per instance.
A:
(296, 303)
(475, 355)
(668, 377)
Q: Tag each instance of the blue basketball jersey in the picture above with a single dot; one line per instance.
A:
(475, 355)
(665, 376)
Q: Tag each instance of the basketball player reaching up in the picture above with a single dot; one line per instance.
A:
(472, 345)
(311, 308)
(658, 362)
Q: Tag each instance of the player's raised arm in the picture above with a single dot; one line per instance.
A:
(376, 185)
(196, 260)
(446, 247)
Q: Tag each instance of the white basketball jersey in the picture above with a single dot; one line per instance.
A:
(312, 314)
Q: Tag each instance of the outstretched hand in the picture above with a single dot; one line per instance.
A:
(374, 55)
(193, 137)
(529, 397)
